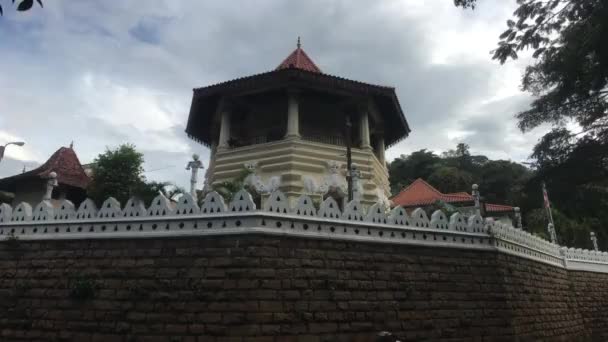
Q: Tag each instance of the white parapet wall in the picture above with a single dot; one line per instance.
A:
(240, 216)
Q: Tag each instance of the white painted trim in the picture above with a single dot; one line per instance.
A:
(419, 231)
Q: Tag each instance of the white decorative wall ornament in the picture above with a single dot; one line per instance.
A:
(489, 224)
(593, 239)
(43, 211)
(305, 206)
(357, 183)
(22, 212)
(214, 203)
(329, 209)
(475, 224)
(274, 183)
(353, 211)
(277, 203)
(458, 222)
(439, 220)
(134, 208)
(51, 183)
(6, 212)
(382, 198)
(241, 201)
(398, 216)
(186, 205)
(254, 181)
(110, 208)
(160, 206)
(310, 187)
(86, 210)
(65, 211)
(462, 233)
(419, 218)
(333, 181)
(377, 214)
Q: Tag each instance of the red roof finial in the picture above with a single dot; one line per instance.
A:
(298, 59)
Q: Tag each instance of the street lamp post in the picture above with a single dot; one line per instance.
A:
(2, 148)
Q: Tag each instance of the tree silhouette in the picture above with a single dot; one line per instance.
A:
(24, 5)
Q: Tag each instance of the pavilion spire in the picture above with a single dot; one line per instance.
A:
(298, 59)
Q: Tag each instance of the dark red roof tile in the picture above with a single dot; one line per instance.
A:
(421, 193)
(299, 59)
(498, 208)
(64, 162)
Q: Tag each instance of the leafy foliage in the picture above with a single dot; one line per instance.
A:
(24, 5)
(229, 188)
(457, 170)
(119, 173)
(406, 169)
(451, 179)
(569, 79)
(574, 170)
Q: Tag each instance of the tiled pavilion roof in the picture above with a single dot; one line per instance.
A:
(421, 193)
(299, 59)
(64, 162)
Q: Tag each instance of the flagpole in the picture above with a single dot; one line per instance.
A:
(547, 204)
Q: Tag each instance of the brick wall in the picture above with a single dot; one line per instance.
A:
(257, 288)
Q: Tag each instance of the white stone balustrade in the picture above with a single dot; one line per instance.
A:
(241, 216)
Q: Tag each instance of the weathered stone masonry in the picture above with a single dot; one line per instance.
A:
(260, 288)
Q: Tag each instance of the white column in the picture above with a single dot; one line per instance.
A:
(364, 125)
(475, 194)
(293, 115)
(224, 130)
(194, 166)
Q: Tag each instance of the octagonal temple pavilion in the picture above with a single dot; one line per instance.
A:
(288, 128)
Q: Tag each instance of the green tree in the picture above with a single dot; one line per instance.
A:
(118, 173)
(569, 77)
(570, 232)
(229, 188)
(569, 80)
(503, 181)
(406, 169)
(449, 179)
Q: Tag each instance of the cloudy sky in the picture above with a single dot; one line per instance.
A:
(102, 73)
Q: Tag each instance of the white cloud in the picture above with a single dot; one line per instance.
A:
(103, 73)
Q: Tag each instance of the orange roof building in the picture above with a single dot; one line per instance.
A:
(421, 193)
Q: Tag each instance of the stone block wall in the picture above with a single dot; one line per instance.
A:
(590, 291)
(262, 288)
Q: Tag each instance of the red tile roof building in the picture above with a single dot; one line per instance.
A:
(29, 186)
(421, 193)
